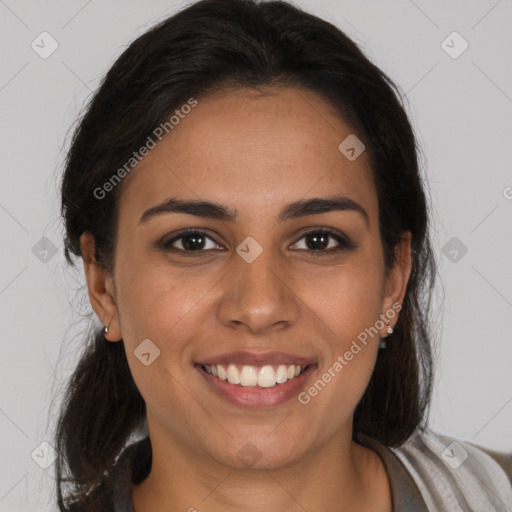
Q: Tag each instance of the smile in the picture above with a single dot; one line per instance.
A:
(248, 378)
(258, 376)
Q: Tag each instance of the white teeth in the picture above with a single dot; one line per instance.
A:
(221, 372)
(233, 374)
(248, 376)
(281, 374)
(264, 377)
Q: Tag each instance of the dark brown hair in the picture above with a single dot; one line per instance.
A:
(202, 49)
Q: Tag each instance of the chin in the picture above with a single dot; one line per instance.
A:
(260, 454)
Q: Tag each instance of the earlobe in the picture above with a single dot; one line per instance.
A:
(100, 288)
(396, 283)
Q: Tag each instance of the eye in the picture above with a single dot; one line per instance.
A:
(190, 241)
(317, 242)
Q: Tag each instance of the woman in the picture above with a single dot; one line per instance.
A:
(244, 192)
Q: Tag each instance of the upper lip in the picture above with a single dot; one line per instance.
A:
(257, 358)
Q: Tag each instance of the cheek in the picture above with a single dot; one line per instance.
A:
(346, 299)
(158, 305)
(348, 302)
(153, 299)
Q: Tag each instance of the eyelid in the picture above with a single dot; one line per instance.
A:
(166, 243)
(344, 242)
(323, 229)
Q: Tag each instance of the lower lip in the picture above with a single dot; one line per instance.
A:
(254, 396)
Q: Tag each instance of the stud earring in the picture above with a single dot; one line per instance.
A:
(383, 343)
(105, 329)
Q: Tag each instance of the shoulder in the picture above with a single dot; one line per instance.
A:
(454, 473)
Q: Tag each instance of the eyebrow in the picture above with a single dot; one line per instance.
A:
(214, 210)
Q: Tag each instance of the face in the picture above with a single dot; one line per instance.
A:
(255, 284)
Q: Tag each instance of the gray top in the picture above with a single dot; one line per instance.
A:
(134, 464)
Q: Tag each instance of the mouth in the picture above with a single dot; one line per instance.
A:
(256, 380)
(255, 376)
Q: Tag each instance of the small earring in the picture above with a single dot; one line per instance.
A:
(389, 330)
(105, 329)
(383, 343)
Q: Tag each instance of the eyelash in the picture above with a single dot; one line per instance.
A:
(344, 243)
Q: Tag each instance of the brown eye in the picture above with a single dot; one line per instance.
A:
(325, 241)
(189, 242)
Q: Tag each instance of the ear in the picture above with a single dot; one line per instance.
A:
(396, 281)
(101, 288)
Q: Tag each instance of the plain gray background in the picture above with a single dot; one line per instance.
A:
(462, 112)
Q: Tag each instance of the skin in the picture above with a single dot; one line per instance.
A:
(256, 152)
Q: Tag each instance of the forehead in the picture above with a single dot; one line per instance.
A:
(255, 150)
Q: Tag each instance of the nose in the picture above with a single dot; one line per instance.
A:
(259, 296)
